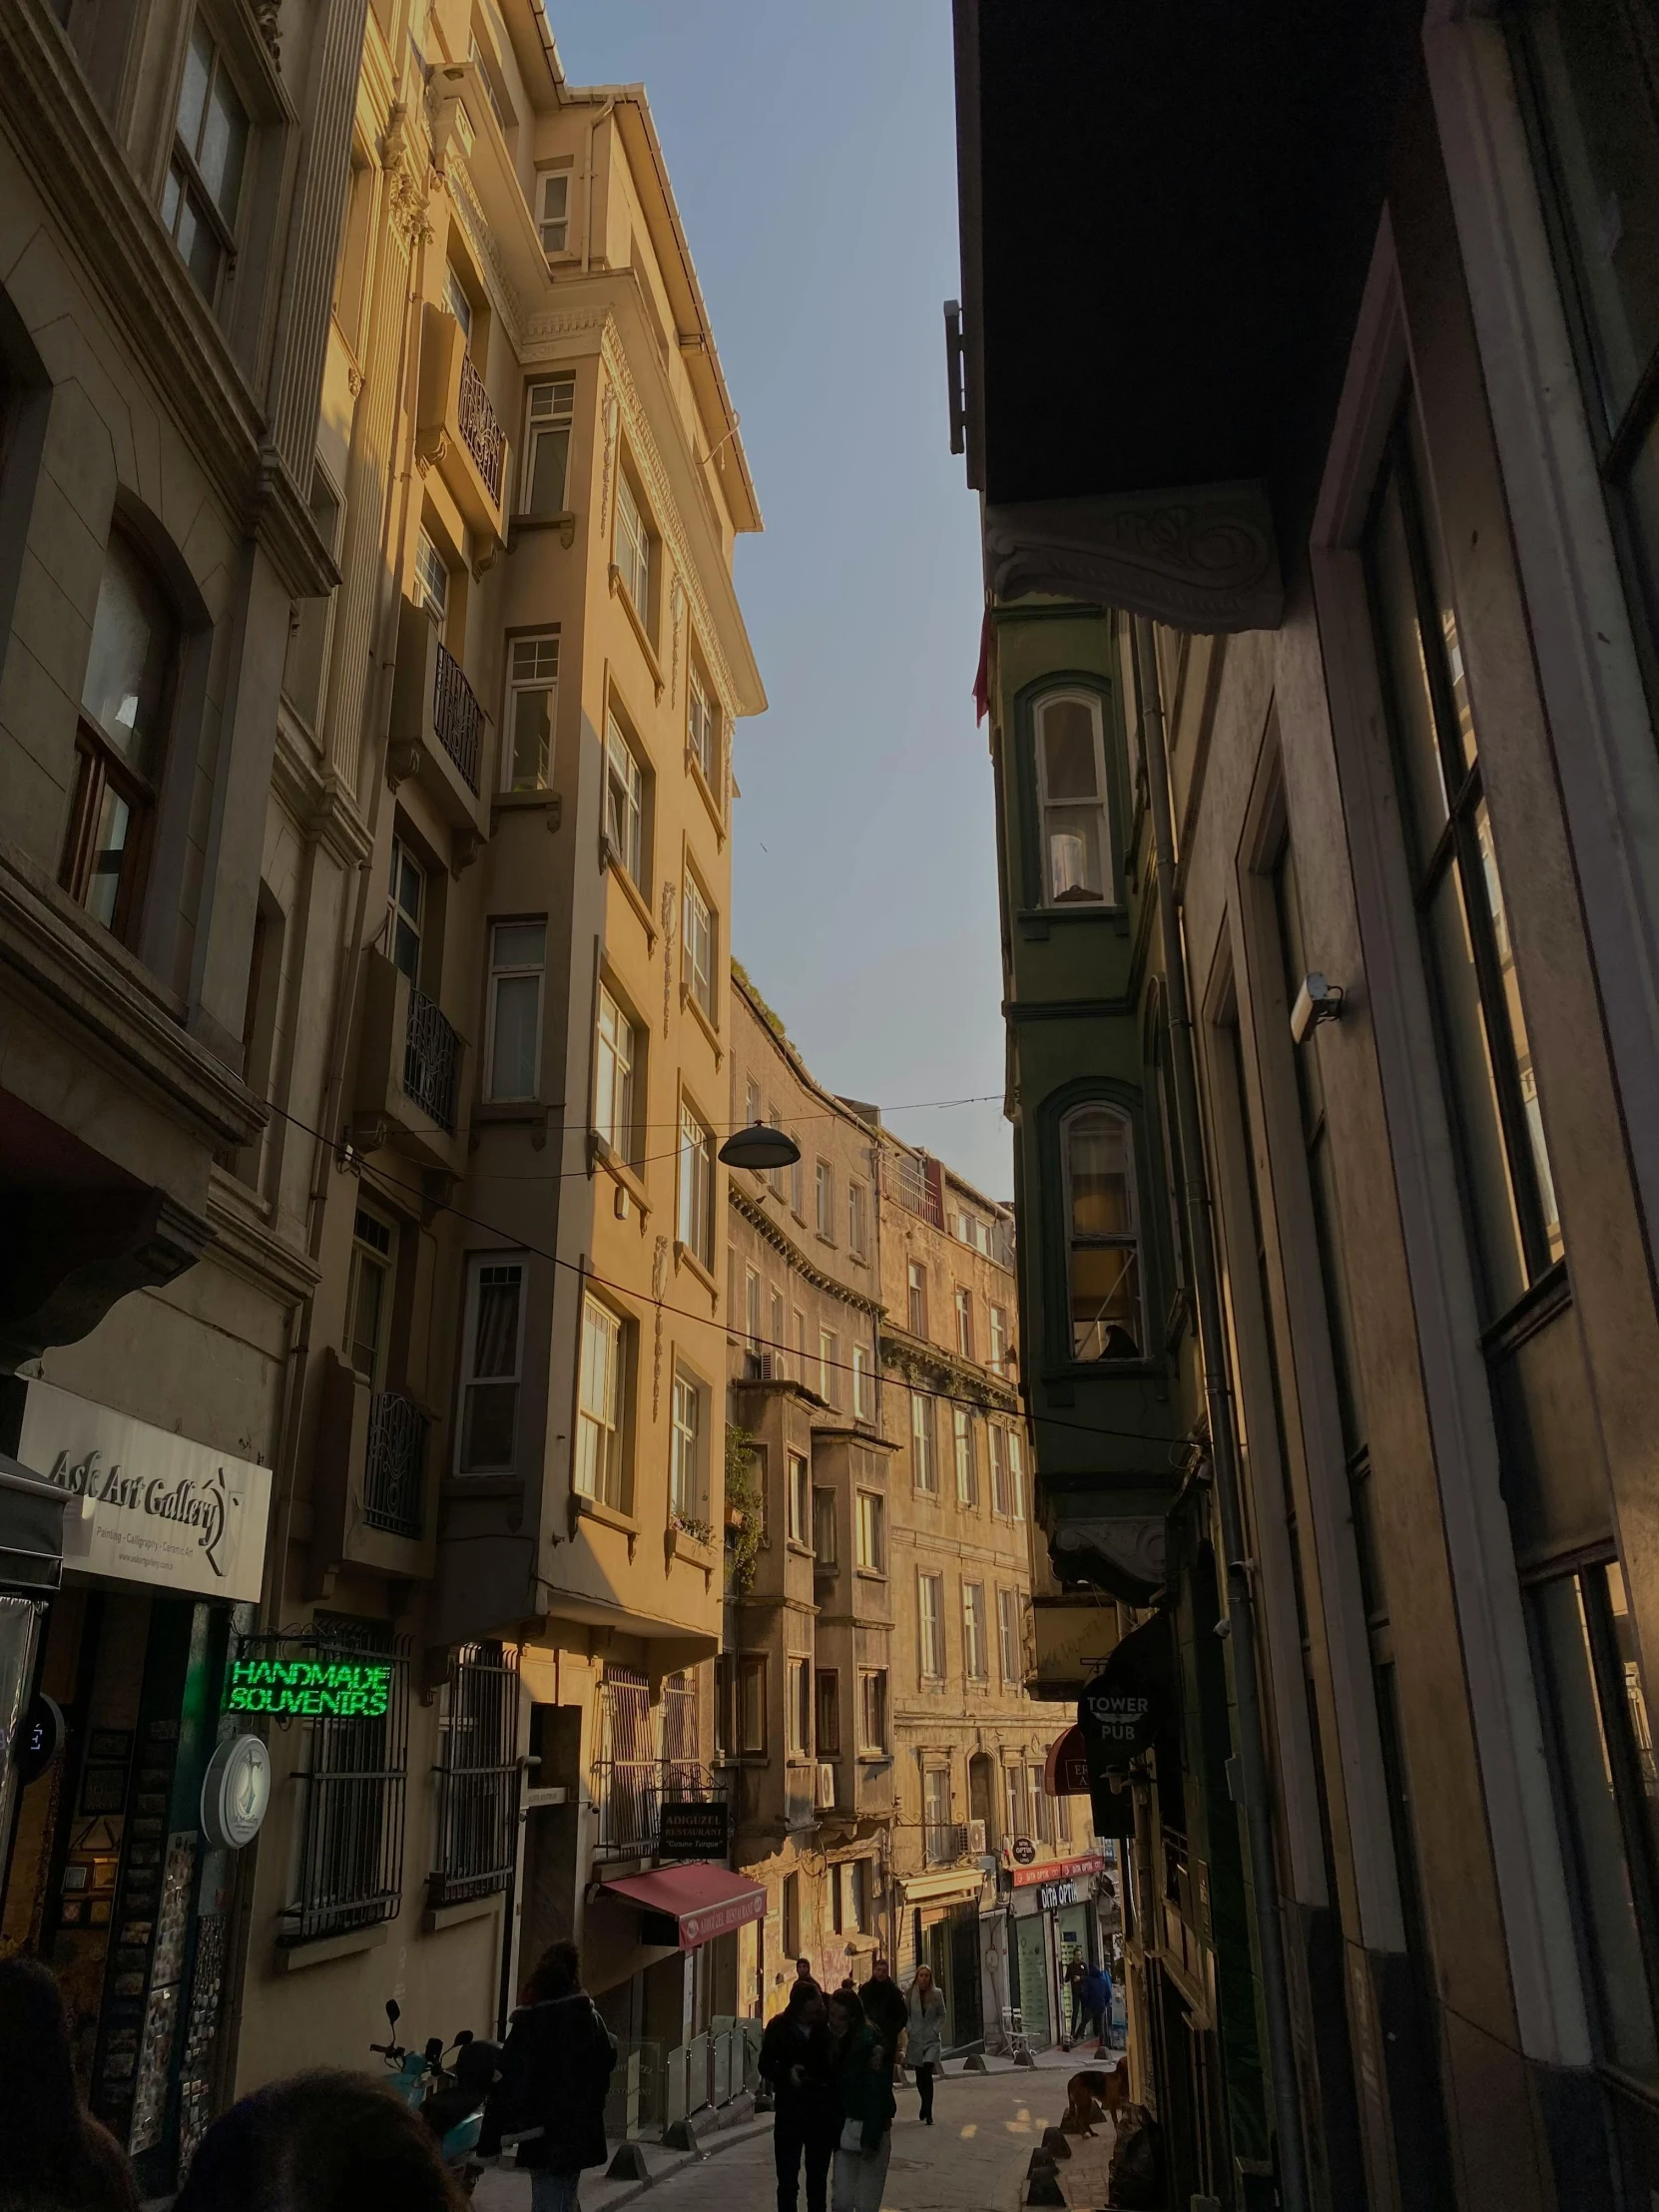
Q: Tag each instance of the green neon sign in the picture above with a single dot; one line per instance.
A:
(314, 1689)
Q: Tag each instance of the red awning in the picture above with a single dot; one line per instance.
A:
(704, 1901)
(1066, 1769)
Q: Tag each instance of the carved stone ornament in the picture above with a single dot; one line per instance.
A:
(402, 761)
(670, 904)
(268, 15)
(1125, 1553)
(659, 1283)
(1202, 559)
(677, 623)
(609, 411)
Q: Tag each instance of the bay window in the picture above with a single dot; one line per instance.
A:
(696, 1221)
(203, 177)
(492, 1365)
(599, 1406)
(1071, 798)
(549, 411)
(624, 802)
(532, 702)
(518, 955)
(614, 1061)
(1103, 1259)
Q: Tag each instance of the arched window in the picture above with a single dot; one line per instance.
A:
(125, 705)
(1103, 1251)
(1077, 855)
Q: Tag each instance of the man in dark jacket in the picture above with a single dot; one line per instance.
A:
(885, 2007)
(550, 2094)
(796, 2062)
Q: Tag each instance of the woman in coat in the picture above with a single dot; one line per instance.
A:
(555, 2074)
(863, 2075)
(924, 2046)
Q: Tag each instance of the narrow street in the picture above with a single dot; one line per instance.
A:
(972, 2159)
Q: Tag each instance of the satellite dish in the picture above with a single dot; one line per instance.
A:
(760, 1147)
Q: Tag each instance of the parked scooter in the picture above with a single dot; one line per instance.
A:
(448, 2089)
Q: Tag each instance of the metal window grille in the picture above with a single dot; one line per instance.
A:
(477, 1776)
(457, 717)
(625, 1775)
(394, 1480)
(355, 1786)
(431, 1060)
(480, 428)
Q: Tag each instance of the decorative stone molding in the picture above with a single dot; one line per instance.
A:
(402, 761)
(561, 322)
(609, 409)
(268, 15)
(1202, 559)
(677, 623)
(755, 1213)
(659, 1283)
(669, 908)
(486, 247)
(464, 846)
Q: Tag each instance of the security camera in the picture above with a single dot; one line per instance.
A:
(1316, 1001)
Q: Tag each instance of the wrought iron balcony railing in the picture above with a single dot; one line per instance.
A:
(457, 717)
(431, 1061)
(394, 1479)
(480, 427)
(628, 1795)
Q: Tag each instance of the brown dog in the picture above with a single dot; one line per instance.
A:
(1095, 2095)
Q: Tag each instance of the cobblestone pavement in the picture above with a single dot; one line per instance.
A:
(972, 2159)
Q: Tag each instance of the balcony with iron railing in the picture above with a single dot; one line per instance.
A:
(369, 1493)
(457, 430)
(431, 1061)
(410, 1077)
(457, 718)
(628, 1795)
(395, 1474)
(480, 429)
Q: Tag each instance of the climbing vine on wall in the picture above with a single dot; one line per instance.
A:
(744, 1509)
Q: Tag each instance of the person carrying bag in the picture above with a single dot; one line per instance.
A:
(864, 2074)
(925, 2045)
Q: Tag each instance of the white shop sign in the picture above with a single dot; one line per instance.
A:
(166, 1511)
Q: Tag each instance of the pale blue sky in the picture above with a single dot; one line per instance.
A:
(813, 152)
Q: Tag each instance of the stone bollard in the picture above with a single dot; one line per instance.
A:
(974, 2062)
(1055, 2144)
(628, 2164)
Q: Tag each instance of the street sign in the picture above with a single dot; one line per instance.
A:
(1024, 1849)
(696, 1828)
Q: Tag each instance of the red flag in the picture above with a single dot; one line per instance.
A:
(982, 673)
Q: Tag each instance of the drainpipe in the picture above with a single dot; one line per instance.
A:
(1240, 1624)
(587, 193)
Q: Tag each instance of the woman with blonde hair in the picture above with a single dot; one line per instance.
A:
(924, 2045)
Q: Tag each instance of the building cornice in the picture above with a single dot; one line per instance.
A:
(758, 1217)
(916, 1356)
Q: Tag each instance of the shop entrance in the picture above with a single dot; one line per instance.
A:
(1029, 1961)
(949, 1944)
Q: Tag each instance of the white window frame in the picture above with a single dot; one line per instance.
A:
(699, 948)
(915, 1288)
(824, 1189)
(1008, 1638)
(616, 1063)
(797, 1713)
(1110, 894)
(688, 1489)
(999, 1339)
(479, 1264)
(1129, 1241)
(799, 1500)
(549, 413)
(624, 778)
(695, 1205)
(514, 971)
(631, 540)
(930, 1625)
(1016, 1473)
(431, 580)
(829, 1365)
(870, 1531)
(539, 647)
(703, 729)
(600, 1472)
(553, 210)
(966, 1459)
(1001, 1501)
(863, 1396)
(872, 1741)
(825, 1524)
(975, 1657)
(964, 1322)
(856, 1220)
(924, 1461)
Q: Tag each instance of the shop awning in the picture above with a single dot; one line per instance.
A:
(1066, 1769)
(31, 1529)
(937, 1888)
(701, 1902)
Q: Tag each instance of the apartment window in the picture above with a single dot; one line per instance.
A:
(1007, 1638)
(799, 1698)
(518, 955)
(847, 1896)
(775, 1175)
(802, 1367)
(696, 1226)
(922, 1464)
(931, 1618)
(825, 1200)
(864, 1393)
(791, 1915)
(431, 581)
(624, 802)
(964, 1323)
(999, 1341)
(752, 1100)
(1042, 1805)
(798, 1190)
(687, 1490)
(532, 701)
(1485, 1055)
(1001, 1502)
(549, 413)
(553, 210)
(209, 153)
(751, 1318)
(703, 729)
(407, 911)
(752, 1702)
(871, 1535)
(615, 1059)
(1016, 1473)
(938, 1829)
(778, 1327)
(873, 1709)
(829, 1366)
(697, 944)
(349, 1862)
(1097, 1150)
(493, 1366)
(599, 1409)
(1592, 72)
(800, 1500)
(631, 547)
(975, 1653)
(1071, 794)
(1013, 1811)
(857, 1203)
(126, 706)
(477, 1776)
(967, 1464)
(368, 1298)
(828, 1716)
(918, 1309)
(459, 306)
(824, 1528)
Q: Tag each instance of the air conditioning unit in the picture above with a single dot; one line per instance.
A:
(824, 1795)
(976, 1843)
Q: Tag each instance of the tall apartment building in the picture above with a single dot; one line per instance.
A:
(431, 1052)
(974, 1776)
(1330, 887)
(805, 1729)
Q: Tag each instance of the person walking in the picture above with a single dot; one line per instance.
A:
(796, 2063)
(804, 1974)
(885, 2009)
(924, 2036)
(1108, 2026)
(54, 2156)
(551, 2089)
(863, 2077)
(1090, 1997)
(1077, 1976)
